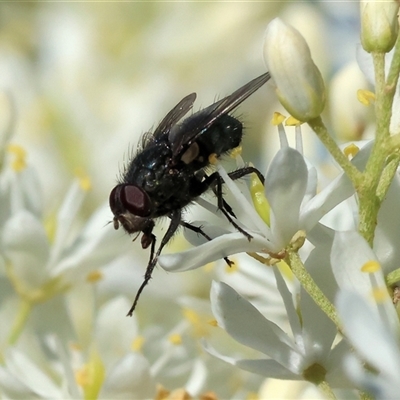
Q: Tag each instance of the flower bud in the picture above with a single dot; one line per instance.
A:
(379, 25)
(299, 84)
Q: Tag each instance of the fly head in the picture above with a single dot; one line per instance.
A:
(131, 207)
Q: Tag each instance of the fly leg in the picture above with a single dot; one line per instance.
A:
(215, 182)
(200, 231)
(173, 226)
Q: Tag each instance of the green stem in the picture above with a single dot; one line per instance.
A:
(387, 176)
(307, 282)
(393, 277)
(369, 199)
(19, 322)
(352, 172)
(394, 70)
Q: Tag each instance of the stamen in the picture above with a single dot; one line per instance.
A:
(351, 150)
(371, 267)
(365, 97)
(137, 343)
(94, 276)
(19, 162)
(175, 339)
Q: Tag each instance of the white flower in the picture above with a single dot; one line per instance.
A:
(290, 188)
(39, 264)
(306, 353)
(109, 368)
(375, 342)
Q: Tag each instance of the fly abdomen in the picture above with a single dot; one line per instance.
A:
(224, 135)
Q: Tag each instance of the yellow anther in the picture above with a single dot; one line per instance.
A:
(82, 376)
(137, 343)
(365, 97)
(277, 119)
(19, 162)
(94, 276)
(351, 150)
(91, 376)
(213, 322)
(292, 121)
(371, 267)
(175, 338)
(84, 180)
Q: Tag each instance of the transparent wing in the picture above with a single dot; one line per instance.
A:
(172, 118)
(182, 136)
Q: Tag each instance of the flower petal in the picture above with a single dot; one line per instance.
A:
(129, 378)
(349, 253)
(216, 249)
(368, 334)
(285, 187)
(248, 326)
(265, 367)
(26, 246)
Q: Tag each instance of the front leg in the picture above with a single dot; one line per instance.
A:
(173, 226)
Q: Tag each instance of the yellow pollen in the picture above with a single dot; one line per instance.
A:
(162, 393)
(82, 376)
(91, 376)
(208, 396)
(191, 316)
(380, 294)
(237, 151)
(197, 322)
(351, 150)
(292, 121)
(277, 119)
(213, 322)
(179, 394)
(252, 396)
(175, 338)
(94, 276)
(365, 97)
(137, 343)
(371, 267)
(213, 159)
(84, 180)
(19, 162)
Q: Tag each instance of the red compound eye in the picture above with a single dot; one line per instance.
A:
(130, 198)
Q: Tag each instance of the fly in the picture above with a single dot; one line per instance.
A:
(169, 170)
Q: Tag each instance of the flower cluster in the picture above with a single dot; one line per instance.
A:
(310, 295)
(340, 241)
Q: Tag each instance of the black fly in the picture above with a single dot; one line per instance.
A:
(168, 172)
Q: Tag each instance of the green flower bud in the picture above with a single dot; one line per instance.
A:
(379, 25)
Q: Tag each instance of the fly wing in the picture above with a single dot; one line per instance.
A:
(182, 136)
(173, 117)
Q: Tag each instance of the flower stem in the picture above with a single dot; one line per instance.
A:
(306, 280)
(19, 322)
(320, 129)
